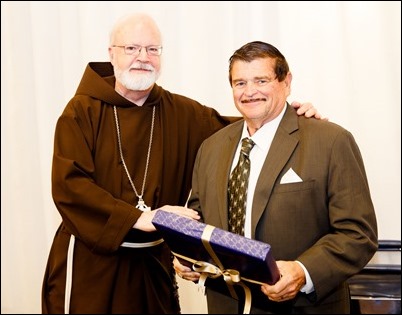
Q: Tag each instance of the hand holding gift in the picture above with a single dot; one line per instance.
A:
(223, 259)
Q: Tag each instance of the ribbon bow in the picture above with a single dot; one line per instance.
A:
(207, 270)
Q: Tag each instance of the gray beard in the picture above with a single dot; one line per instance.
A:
(140, 82)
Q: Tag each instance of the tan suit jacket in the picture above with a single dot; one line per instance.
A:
(327, 221)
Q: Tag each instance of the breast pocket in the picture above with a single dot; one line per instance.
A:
(294, 187)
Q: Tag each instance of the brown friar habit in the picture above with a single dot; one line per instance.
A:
(93, 194)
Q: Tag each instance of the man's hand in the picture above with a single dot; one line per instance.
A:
(308, 110)
(291, 281)
(185, 272)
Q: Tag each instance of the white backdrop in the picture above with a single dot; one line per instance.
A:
(345, 58)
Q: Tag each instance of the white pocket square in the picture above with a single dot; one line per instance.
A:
(290, 177)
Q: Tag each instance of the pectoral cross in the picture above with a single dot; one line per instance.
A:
(141, 205)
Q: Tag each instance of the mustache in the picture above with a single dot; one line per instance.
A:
(142, 66)
(252, 100)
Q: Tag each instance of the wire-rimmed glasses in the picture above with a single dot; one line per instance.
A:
(152, 50)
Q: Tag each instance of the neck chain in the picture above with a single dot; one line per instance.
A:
(141, 203)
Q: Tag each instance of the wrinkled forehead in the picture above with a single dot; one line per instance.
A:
(257, 67)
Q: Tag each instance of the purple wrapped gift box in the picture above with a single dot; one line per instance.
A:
(196, 243)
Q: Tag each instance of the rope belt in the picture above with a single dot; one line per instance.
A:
(142, 245)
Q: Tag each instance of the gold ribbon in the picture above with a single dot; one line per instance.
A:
(230, 276)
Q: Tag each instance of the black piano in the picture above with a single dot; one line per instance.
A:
(377, 288)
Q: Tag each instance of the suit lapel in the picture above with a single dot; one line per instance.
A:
(282, 147)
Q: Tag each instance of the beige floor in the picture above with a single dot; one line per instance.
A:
(192, 299)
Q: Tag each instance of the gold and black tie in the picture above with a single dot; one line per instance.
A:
(237, 189)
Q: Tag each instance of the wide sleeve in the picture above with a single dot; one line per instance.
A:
(89, 211)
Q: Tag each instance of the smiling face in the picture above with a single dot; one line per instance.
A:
(257, 93)
(140, 70)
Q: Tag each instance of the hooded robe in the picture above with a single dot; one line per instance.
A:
(96, 200)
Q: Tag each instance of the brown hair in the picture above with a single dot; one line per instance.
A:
(255, 50)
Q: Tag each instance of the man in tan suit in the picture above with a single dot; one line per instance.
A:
(308, 194)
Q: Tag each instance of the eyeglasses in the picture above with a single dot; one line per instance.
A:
(136, 49)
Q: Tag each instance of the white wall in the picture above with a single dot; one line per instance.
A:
(345, 57)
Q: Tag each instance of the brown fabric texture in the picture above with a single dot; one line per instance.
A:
(96, 201)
